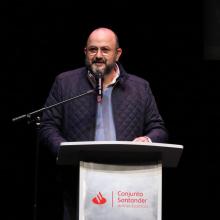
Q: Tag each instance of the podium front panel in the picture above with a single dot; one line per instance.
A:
(116, 192)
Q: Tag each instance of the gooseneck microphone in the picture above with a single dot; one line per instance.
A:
(99, 87)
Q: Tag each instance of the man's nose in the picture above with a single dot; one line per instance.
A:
(99, 53)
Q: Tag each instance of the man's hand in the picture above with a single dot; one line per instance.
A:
(144, 139)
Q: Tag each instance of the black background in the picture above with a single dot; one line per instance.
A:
(165, 43)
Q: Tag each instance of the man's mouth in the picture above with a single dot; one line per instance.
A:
(99, 63)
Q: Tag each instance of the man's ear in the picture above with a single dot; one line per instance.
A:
(85, 50)
(119, 52)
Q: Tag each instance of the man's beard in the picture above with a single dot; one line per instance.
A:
(97, 70)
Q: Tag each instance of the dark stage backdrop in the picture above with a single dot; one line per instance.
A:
(163, 43)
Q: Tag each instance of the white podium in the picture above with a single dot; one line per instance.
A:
(119, 179)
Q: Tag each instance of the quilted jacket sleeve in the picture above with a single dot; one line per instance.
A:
(154, 125)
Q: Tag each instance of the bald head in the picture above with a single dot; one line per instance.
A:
(103, 35)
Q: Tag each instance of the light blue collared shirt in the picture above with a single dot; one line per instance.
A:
(105, 128)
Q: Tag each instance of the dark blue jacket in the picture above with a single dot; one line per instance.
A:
(134, 110)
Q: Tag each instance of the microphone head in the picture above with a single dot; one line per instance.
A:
(99, 74)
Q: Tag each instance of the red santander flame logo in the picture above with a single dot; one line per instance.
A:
(99, 199)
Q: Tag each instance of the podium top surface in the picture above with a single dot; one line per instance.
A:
(124, 150)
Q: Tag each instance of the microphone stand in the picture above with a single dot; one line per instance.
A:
(28, 116)
(36, 120)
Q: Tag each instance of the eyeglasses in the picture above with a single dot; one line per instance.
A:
(94, 50)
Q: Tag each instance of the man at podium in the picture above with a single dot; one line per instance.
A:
(122, 106)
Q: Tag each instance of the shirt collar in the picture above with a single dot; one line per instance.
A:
(117, 71)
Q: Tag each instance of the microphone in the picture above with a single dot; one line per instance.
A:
(99, 87)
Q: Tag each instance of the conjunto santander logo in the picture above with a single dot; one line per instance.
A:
(99, 199)
(123, 199)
